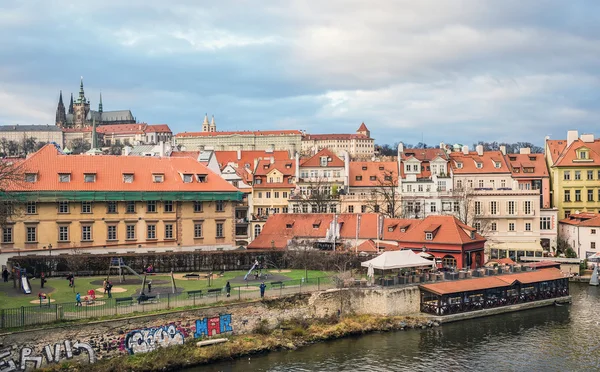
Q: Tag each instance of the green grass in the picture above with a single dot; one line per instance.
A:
(13, 298)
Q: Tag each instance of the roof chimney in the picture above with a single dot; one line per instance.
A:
(272, 160)
(503, 149)
(161, 149)
(239, 154)
(572, 137)
(255, 165)
(479, 149)
(465, 150)
(588, 138)
(525, 150)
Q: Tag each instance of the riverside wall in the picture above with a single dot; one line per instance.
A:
(92, 341)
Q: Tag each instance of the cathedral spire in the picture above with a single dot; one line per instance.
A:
(61, 116)
(81, 92)
(71, 105)
(94, 134)
(100, 104)
(205, 119)
(213, 125)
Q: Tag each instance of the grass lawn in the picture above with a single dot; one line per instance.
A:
(59, 290)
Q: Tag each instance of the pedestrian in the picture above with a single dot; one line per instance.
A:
(5, 275)
(149, 286)
(72, 282)
(78, 299)
(70, 279)
(228, 289)
(104, 283)
(108, 289)
(262, 287)
(42, 280)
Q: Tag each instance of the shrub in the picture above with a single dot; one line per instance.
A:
(262, 328)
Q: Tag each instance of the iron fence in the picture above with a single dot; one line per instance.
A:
(48, 312)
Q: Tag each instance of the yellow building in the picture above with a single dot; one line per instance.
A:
(107, 202)
(574, 166)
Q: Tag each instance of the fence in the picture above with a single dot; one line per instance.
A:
(47, 312)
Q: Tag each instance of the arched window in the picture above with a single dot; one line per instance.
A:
(256, 230)
(448, 261)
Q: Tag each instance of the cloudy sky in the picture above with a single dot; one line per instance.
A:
(454, 71)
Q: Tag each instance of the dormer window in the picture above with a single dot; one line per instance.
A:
(64, 177)
(323, 161)
(288, 166)
(387, 177)
(359, 178)
(31, 177)
(128, 177)
(380, 168)
(532, 158)
(373, 178)
(202, 178)
(158, 178)
(497, 164)
(479, 164)
(514, 158)
(187, 178)
(289, 225)
(89, 178)
(517, 170)
(266, 166)
(583, 154)
(428, 236)
(472, 234)
(364, 167)
(258, 181)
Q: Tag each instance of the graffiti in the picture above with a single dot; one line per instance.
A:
(148, 339)
(28, 359)
(213, 326)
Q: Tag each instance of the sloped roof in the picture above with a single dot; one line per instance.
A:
(370, 246)
(248, 157)
(487, 161)
(555, 148)
(117, 115)
(568, 157)
(362, 128)
(109, 170)
(334, 136)
(521, 161)
(185, 154)
(315, 160)
(29, 128)
(241, 133)
(449, 230)
(582, 219)
(122, 128)
(368, 169)
(158, 128)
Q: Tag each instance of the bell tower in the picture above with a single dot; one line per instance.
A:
(81, 108)
(61, 115)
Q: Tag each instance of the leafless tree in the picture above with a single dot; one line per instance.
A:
(385, 197)
(470, 211)
(319, 196)
(12, 176)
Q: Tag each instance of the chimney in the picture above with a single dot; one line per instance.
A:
(442, 146)
(255, 165)
(161, 149)
(588, 138)
(465, 150)
(479, 149)
(272, 160)
(126, 150)
(400, 149)
(525, 150)
(503, 149)
(572, 137)
(239, 154)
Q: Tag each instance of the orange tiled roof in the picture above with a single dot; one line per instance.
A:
(370, 246)
(362, 128)
(367, 169)
(315, 160)
(487, 161)
(450, 230)
(241, 133)
(248, 157)
(569, 156)
(521, 161)
(185, 154)
(158, 128)
(555, 147)
(583, 219)
(264, 167)
(109, 170)
(425, 156)
(334, 136)
(501, 261)
(122, 128)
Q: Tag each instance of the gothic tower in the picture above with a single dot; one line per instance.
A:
(71, 105)
(61, 115)
(213, 125)
(81, 108)
(100, 104)
(205, 125)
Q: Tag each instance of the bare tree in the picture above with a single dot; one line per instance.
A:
(12, 175)
(319, 196)
(28, 144)
(385, 197)
(79, 146)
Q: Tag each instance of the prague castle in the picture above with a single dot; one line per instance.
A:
(80, 115)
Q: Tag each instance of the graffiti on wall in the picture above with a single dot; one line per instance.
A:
(28, 359)
(148, 339)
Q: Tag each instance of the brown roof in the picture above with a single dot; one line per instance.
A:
(518, 162)
(335, 136)
(365, 170)
(158, 128)
(582, 219)
(477, 284)
(247, 157)
(555, 148)
(315, 160)
(487, 162)
(362, 128)
(241, 133)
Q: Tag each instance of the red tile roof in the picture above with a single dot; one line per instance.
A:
(334, 136)
(248, 157)
(158, 128)
(286, 167)
(501, 261)
(315, 160)
(241, 133)
(569, 156)
(555, 148)
(449, 230)
(109, 170)
(583, 219)
(185, 154)
(371, 246)
(365, 170)
(122, 128)
(492, 281)
(519, 162)
(362, 128)
(487, 161)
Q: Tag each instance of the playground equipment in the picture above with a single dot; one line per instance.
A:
(119, 264)
(25, 285)
(260, 267)
(252, 268)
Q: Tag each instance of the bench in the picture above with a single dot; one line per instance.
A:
(278, 284)
(192, 276)
(194, 294)
(120, 300)
(147, 299)
(215, 291)
(85, 273)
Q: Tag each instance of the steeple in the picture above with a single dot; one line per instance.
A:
(213, 125)
(205, 125)
(94, 150)
(71, 105)
(81, 92)
(61, 116)
(100, 104)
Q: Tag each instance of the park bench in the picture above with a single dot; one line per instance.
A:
(85, 273)
(194, 294)
(215, 291)
(192, 276)
(277, 284)
(147, 299)
(122, 300)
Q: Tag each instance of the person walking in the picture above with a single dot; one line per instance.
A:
(228, 289)
(5, 275)
(149, 286)
(262, 287)
(42, 280)
(78, 299)
(104, 284)
(108, 289)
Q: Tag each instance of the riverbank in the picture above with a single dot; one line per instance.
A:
(287, 335)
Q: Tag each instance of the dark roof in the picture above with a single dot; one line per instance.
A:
(29, 128)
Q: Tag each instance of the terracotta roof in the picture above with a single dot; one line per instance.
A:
(518, 163)
(371, 246)
(248, 157)
(569, 156)
(185, 154)
(501, 261)
(241, 133)
(264, 167)
(424, 154)
(542, 264)
(487, 161)
(449, 230)
(582, 219)
(335, 136)
(122, 128)
(158, 128)
(555, 148)
(492, 281)
(365, 170)
(109, 170)
(315, 160)
(362, 128)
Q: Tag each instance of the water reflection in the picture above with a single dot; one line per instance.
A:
(560, 338)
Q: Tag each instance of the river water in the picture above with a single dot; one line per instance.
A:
(556, 338)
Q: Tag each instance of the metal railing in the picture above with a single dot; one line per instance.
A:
(47, 312)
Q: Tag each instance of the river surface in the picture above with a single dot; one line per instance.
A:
(555, 338)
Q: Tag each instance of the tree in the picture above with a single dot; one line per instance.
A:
(79, 146)
(469, 211)
(13, 148)
(564, 248)
(11, 174)
(116, 149)
(39, 145)
(387, 150)
(28, 145)
(385, 197)
(320, 196)
(4, 146)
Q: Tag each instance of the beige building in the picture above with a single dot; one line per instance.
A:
(41, 133)
(358, 145)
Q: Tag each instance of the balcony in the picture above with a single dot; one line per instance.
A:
(322, 179)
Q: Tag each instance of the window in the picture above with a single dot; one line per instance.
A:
(567, 213)
(260, 194)
(332, 208)
(428, 236)
(198, 230)
(201, 178)
(567, 175)
(158, 178)
(169, 231)
(198, 207)
(350, 209)
(478, 207)
(31, 234)
(593, 245)
(323, 161)
(111, 207)
(187, 178)
(256, 230)
(63, 233)
(363, 208)
(168, 205)
(64, 177)
(494, 226)
(527, 206)
(567, 195)
(527, 226)
(86, 233)
(63, 207)
(459, 184)
(151, 206)
(593, 232)
(268, 194)
(89, 178)
(285, 194)
(590, 175)
(497, 164)
(590, 195)
(502, 184)
(128, 177)
(285, 210)
(376, 208)
(583, 155)
(130, 207)
(511, 226)
(480, 184)
(219, 229)
(151, 231)
(493, 207)
(578, 195)
(511, 207)
(30, 177)
(304, 208)
(545, 223)
(220, 206)
(276, 196)
(111, 232)
(470, 184)
(31, 207)
(130, 232)
(479, 164)
(477, 226)
(86, 207)
(7, 234)
(577, 175)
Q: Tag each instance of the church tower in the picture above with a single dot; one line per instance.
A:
(71, 105)
(81, 108)
(61, 115)
(205, 125)
(213, 125)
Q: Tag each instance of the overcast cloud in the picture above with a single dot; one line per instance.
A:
(455, 71)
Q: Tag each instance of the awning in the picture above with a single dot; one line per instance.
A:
(397, 260)
(517, 246)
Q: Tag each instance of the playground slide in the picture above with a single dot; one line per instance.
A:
(252, 268)
(25, 285)
(132, 271)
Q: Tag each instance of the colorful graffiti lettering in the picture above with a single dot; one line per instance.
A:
(213, 326)
(148, 339)
(52, 353)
